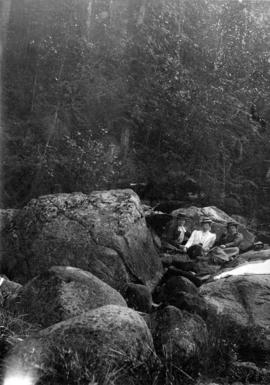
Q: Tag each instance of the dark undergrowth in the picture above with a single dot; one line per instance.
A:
(13, 330)
(76, 367)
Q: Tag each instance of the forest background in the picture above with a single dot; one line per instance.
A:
(163, 94)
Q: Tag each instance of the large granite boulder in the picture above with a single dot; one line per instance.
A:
(241, 305)
(96, 345)
(104, 233)
(61, 293)
(219, 218)
(178, 335)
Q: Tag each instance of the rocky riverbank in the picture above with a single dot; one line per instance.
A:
(88, 296)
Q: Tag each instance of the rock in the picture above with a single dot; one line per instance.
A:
(240, 219)
(203, 268)
(8, 289)
(61, 293)
(251, 256)
(241, 304)
(104, 233)
(156, 239)
(252, 262)
(147, 318)
(192, 303)
(182, 293)
(97, 344)
(251, 268)
(178, 335)
(158, 221)
(179, 284)
(219, 218)
(138, 297)
(243, 371)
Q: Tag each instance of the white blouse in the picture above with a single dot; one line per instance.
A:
(182, 230)
(206, 239)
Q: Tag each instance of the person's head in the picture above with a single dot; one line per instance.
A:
(206, 224)
(181, 220)
(232, 227)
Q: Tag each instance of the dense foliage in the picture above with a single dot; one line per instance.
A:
(98, 94)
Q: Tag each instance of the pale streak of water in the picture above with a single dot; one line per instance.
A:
(256, 268)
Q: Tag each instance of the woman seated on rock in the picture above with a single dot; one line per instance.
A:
(228, 245)
(232, 238)
(176, 232)
(200, 241)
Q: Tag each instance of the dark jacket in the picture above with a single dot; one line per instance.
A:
(231, 240)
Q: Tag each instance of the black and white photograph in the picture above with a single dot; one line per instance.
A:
(134, 192)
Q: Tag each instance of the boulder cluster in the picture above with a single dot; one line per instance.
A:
(88, 295)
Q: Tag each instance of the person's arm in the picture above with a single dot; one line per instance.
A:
(181, 234)
(236, 242)
(191, 240)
